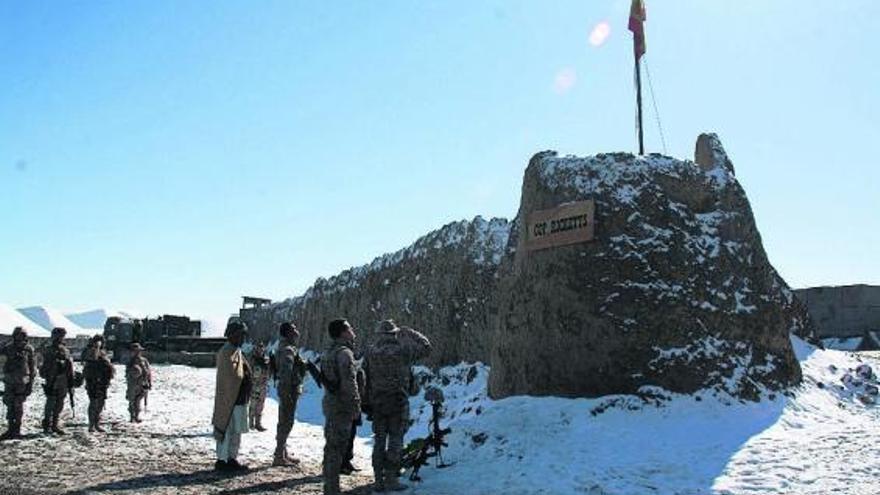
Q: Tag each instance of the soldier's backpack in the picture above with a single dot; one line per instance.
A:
(387, 377)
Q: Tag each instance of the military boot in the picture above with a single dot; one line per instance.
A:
(331, 487)
(9, 434)
(392, 484)
(56, 429)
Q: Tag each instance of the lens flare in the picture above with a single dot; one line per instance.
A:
(600, 34)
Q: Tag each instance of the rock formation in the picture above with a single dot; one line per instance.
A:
(674, 291)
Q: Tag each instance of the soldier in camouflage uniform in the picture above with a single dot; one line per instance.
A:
(342, 406)
(18, 377)
(139, 380)
(57, 371)
(388, 366)
(291, 370)
(98, 372)
(260, 368)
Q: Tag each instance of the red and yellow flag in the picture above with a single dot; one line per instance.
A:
(637, 26)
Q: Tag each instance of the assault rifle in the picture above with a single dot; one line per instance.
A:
(318, 375)
(416, 453)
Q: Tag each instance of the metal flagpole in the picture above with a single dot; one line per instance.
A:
(639, 106)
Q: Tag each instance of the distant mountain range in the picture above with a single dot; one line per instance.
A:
(40, 320)
(11, 318)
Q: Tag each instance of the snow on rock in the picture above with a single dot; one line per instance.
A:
(10, 318)
(49, 318)
(676, 259)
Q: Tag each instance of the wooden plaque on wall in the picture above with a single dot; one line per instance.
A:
(568, 223)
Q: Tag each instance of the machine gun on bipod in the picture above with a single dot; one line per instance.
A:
(416, 453)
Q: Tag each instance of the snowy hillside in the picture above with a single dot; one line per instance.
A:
(49, 318)
(10, 318)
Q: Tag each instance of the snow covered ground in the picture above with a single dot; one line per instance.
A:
(171, 452)
(823, 437)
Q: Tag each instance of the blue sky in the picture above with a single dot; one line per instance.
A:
(172, 156)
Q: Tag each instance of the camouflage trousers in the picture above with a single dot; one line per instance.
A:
(286, 414)
(13, 399)
(97, 398)
(337, 428)
(388, 431)
(258, 400)
(135, 398)
(54, 406)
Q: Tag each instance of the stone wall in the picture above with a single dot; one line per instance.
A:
(844, 311)
(442, 285)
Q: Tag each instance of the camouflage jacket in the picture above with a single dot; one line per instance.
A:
(57, 366)
(291, 369)
(137, 374)
(19, 368)
(339, 367)
(97, 368)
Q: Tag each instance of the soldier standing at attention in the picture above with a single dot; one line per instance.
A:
(387, 365)
(260, 367)
(139, 381)
(342, 406)
(291, 370)
(57, 371)
(18, 377)
(98, 371)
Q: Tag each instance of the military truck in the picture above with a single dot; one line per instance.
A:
(162, 335)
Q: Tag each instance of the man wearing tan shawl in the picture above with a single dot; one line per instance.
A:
(233, 390)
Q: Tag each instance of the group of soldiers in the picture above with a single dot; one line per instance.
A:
(60, 379)
(377, 383)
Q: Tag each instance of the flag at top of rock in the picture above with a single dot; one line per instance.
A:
(637, 26)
